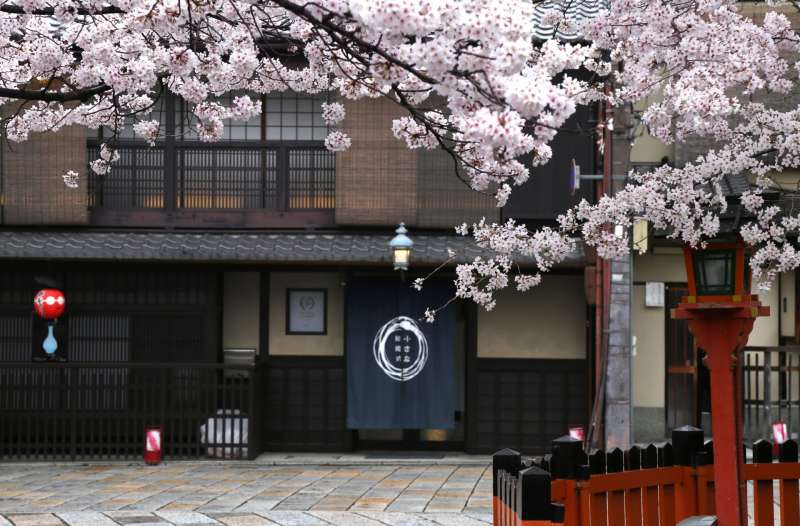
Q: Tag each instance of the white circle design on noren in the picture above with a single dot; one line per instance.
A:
(400, 374)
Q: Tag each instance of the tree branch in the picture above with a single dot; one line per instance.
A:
(50, 11)
(51, 96)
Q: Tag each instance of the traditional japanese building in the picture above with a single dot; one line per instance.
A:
(241, 287)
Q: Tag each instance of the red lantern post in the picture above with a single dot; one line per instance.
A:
(721, 313)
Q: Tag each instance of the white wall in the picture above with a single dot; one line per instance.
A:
(548, 321)
(280, 343)
(240, 310)
(649, 324)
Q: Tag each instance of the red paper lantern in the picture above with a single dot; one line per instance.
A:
(49, 303)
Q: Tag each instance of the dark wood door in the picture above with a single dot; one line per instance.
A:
(681, 366)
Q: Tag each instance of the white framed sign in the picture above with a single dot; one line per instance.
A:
(654, 294)
(306, 311)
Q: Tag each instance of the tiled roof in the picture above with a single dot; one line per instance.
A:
(576, 11)
(735, 184)
(235, 247)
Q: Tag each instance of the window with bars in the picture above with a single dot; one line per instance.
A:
(285, 116)
(274, 161)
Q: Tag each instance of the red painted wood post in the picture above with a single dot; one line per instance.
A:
(598, 503)
(763, 504)
(721, 329)
(650, 496)
(616, 499)
(567, 462)
(666, 492)
(687, 442)
(633, 497)
(720, 337)
(789, 489)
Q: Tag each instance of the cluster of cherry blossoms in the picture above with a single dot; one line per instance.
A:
(470, 77)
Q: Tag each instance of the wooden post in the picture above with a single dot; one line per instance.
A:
(566, 461)
(763, 504)
(790, 507)
(687, 442)
(509, 461)
(721, 329)
(533, 499)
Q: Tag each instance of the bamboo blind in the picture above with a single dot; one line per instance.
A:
(33, 192)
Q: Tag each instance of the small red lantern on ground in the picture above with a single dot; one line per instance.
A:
(577, 433)
(780, 434)
(49, 303)
(152, 445)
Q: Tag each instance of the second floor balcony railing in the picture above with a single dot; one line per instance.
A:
(233, 184)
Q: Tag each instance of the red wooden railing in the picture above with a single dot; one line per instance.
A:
(653, 486)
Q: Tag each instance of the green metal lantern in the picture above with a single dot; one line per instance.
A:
(719, 272)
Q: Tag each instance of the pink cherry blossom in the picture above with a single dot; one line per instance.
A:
(472, 79)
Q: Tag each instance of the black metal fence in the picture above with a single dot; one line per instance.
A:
(232, 175)
(99, 411)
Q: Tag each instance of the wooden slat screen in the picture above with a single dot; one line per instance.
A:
(305, 404)
(99, 411)
(525, 403)
(244, 175)
(136, 180)
(311, 179)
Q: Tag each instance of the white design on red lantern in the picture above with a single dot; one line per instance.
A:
(153, 440)
(49, 303)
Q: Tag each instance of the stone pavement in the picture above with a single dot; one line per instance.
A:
(242, 493)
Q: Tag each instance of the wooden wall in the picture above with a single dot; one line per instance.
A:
(525, 403)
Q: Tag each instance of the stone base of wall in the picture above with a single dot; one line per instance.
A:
(648, 424)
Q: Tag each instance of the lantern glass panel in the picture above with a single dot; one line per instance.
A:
(401, 257)
(715, 272)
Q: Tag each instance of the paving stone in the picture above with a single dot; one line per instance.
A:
(185, 518)
(249, 519)
(35, 519)
(132, 517)
(454, 519)
(398, 519)
(258, 505)
(293, 518)
(485, 517)
(345, 518)
(130, 494)
(408, 505)
(85, 518)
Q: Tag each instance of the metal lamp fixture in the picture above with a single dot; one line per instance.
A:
(401, 246)
(719, 270)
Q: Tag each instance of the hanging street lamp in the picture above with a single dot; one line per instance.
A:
(721, 312)
(401, 246)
